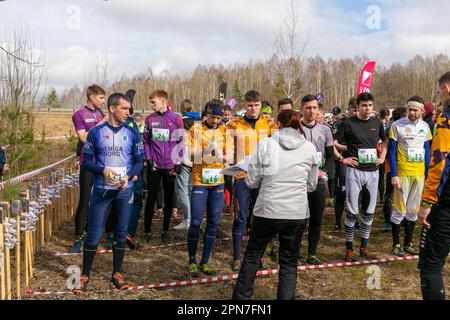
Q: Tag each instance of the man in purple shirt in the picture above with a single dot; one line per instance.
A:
(83, 120)
(163, 134)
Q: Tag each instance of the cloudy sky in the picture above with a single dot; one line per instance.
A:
(177, 35)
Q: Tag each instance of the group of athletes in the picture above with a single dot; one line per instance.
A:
(187, 157)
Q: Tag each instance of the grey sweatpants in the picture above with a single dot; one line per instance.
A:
(355, 181)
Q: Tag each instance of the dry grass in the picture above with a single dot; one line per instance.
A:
(400, 281)
(54, 124)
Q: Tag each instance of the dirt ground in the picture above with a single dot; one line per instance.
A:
(54, 124)
(399, 281)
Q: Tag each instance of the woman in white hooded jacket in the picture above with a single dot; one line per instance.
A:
(285, 168)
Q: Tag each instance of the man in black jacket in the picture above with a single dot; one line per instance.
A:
(4, 168)
(183, 182)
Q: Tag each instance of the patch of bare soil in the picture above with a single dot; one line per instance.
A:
(399, 281)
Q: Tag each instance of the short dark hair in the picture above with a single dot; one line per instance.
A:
(213, 102)
(285, 101)
(252, 96)
(227, 107)
(417, 99)
(352, 103)
(398, 113)
(365, 96)
(114, 99)
(384, 113)
(308, 98)
(186, 106)
(94, 90)
(444, 79)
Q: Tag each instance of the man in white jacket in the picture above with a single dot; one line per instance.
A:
(282, 204)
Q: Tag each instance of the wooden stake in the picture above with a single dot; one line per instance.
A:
(42, 230)
(2, 268)
(7, 266)
(25, 258)
(18, 293)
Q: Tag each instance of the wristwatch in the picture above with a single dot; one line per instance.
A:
(340, 158)
(426, 204)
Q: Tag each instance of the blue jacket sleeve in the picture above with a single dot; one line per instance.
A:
(392, 156)
(89, 154)
(2, 160)
(89, 164)
(138, 160)
(427, 146)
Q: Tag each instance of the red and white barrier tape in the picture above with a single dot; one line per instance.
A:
(218, 279)
(34, 173)
(65, 254)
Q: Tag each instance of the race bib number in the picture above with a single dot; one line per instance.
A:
(319, 159)
(367, 156)
(211, 176)
(416, 155)
(162, 135)
(119, 173)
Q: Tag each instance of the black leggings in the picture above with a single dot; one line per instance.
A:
(381, 181)
(316, 200)
(387, 201)
(153, 180)
(434, 249)
(262, 232)
(81, 216)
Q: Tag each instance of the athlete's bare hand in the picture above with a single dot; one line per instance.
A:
(396, 183)
(351, 161)
(124, 183)
(423, 215)
(109, 176)
(380, 161)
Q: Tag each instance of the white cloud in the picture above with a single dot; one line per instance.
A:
(178, 35)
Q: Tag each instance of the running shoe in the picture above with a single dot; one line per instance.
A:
(387, 227)
(118, 282)
(411, 250)
(147, 238)
(207, 269)
(77, 246)
(349, 257)
(364, 254)
(132, 244)
(337, 229)
(236, 265)
(301, 260)
(398, 251)
(165, 237)
(183, 225)
(193, 271)
(84, 284)
(109, 241)
(313, 260)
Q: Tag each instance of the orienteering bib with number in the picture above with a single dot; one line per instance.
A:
(319, 159)
(211, 176)
(366, 156)
(120, 172)
(162, 135)
(416, 155)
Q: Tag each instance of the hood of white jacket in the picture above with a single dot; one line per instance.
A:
(289, 138)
